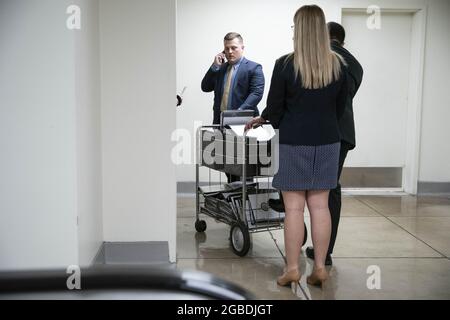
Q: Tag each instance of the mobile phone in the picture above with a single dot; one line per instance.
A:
(222, 60)
(182, 92)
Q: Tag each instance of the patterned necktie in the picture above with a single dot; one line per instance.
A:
(226, 90)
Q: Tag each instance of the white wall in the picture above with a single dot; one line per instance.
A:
(38, 197)
(265, 26)
(138, 76)
(88, 106)
(51, 137)
(435, 150)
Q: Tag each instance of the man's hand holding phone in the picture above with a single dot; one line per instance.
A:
(219, 59)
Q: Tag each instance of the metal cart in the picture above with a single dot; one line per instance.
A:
(243, 205)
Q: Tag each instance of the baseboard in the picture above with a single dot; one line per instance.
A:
(433, 188)
(100, 256)
(356, 178)
(133, 253)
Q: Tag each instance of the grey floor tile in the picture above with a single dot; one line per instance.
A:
(410, 278)
(402, 235)
(409, 206)
(186, 207)
(187, 201)
(435, 231)
(214, 242)
(186, 212)
(371, 237)
(257, 275)
(377, 237)
(353, 207)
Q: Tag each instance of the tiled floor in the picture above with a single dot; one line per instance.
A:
(405, 238)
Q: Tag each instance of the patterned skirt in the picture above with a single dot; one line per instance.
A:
(307, 167)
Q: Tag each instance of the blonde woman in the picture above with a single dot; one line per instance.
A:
(307, 97)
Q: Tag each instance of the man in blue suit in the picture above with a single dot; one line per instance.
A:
(238, 84)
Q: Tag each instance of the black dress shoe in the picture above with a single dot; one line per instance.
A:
(310, 254)
(276, 205)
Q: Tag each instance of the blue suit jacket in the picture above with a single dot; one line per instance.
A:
(248, 87)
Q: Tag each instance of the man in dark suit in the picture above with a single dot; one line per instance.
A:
(238, 83)
(346, 127)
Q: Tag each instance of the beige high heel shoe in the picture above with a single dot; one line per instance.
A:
(290, 277)
(317, 277)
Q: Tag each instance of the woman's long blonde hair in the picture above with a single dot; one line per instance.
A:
(314, 61)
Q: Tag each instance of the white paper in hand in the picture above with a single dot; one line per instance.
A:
(262, 133)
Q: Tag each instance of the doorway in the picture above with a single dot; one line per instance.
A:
(386, 109)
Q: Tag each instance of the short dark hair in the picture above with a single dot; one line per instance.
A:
(233, 35)
(336, 31)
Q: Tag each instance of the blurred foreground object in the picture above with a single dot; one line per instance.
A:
(118, 283)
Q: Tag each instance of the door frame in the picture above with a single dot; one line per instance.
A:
(415, 91)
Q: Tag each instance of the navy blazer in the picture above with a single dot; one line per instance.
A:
(247, 91)
(307, 117)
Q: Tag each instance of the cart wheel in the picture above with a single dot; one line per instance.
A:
(305, 237)
(239, 238)
(200, 225)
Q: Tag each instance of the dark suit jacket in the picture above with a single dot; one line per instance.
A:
(307, 117)
(247, 91)
(354, 79)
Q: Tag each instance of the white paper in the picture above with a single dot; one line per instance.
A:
(262, 133)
